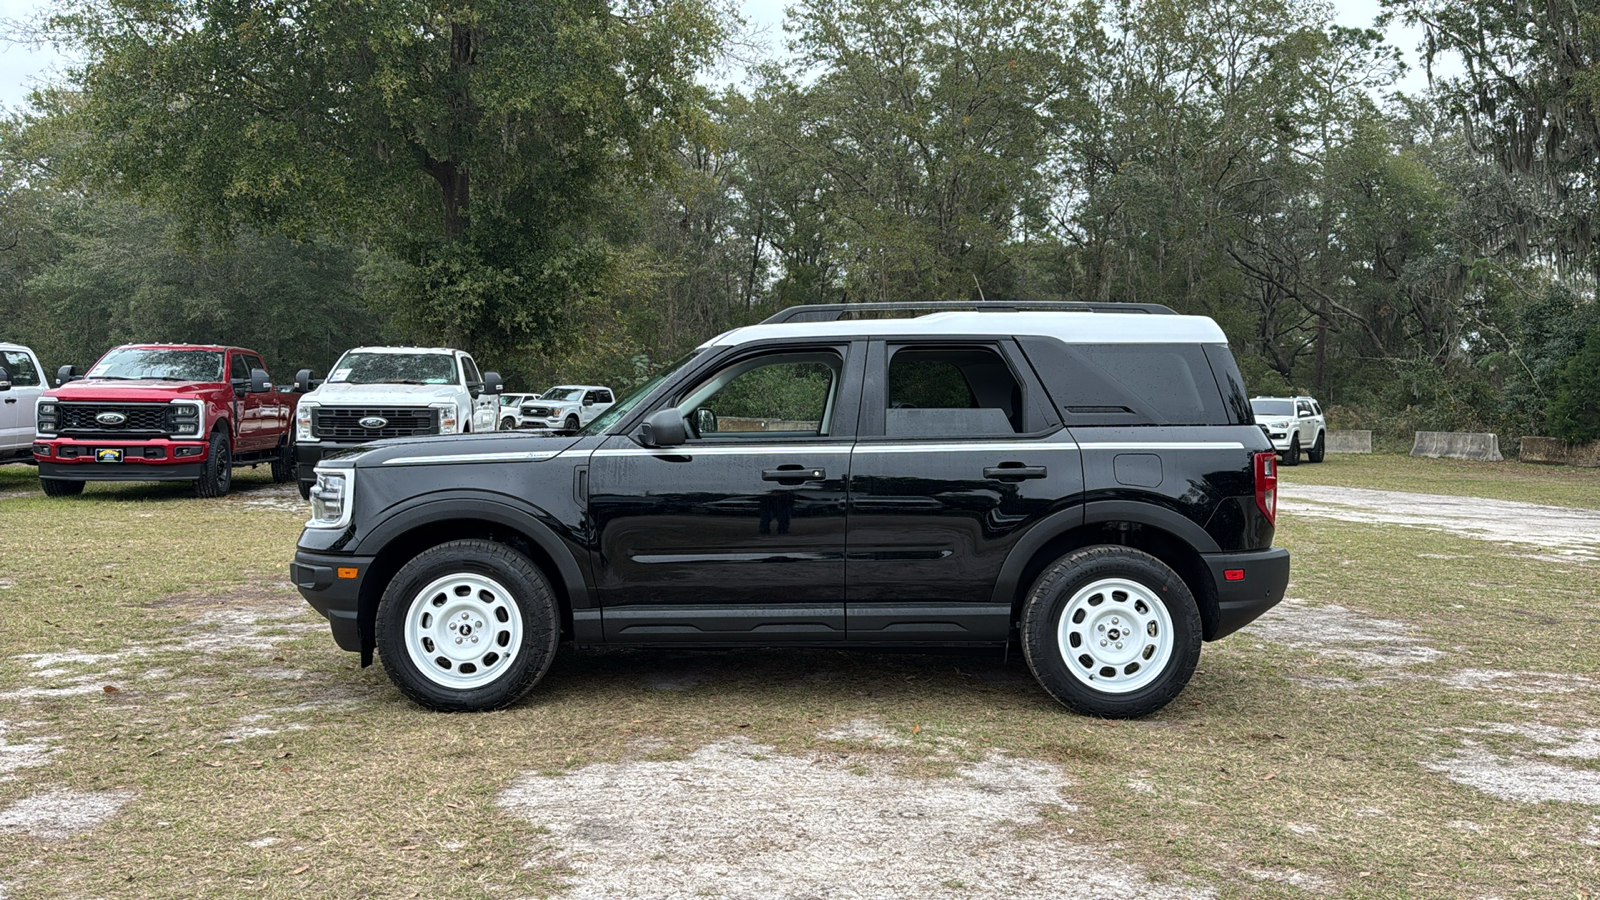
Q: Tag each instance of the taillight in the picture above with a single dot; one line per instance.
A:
(1267, 485)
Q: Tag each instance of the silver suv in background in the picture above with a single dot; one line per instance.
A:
(1293, 424)
(566, 407)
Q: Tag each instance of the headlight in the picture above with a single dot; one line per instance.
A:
(302, 422)
(331, 498)
(186, 418)
(447, 417)
(46, 417)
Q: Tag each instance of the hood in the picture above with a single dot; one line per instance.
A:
(383, 394)
(445, 447)
(123, 391)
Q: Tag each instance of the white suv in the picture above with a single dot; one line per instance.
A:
(21, 383)
(1293, 424)
(566, 407)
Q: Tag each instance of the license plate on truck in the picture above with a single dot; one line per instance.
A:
(109, 456)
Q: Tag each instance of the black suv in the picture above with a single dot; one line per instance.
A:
(1083, 479)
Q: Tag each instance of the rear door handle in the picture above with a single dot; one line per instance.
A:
(1014, 471)
(10, 400)
(793, 473)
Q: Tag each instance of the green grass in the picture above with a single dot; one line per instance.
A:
(1506, 480)
(1277, 758)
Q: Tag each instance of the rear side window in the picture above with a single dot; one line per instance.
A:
(951, 392)
(1130, 384)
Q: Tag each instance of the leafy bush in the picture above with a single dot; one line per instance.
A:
(1575, 411)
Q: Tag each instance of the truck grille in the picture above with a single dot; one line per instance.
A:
(140, 419)
(344, 423)
(539, 412)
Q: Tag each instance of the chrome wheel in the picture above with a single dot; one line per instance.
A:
(1115, 635)
(463, 631)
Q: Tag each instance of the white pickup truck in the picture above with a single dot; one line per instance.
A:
(21, 383)
(385, 392)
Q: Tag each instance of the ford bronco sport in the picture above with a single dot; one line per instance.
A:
(1082, 479)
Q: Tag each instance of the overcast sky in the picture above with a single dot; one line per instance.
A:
(23, 67)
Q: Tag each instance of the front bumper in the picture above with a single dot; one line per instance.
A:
(156, 459)
(332, 585)
(1258, 580)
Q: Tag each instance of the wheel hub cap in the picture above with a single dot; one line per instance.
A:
(1115, 635)
(463, 631)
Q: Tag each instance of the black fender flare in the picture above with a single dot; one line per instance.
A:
(499, 509)
(1057, 524)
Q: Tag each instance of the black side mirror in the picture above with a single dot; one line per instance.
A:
(492, 383)
(664, 428)
(5, 379)
(259, 381)
(66, 374)
(705, 421)
(304, 383)
(588, 401)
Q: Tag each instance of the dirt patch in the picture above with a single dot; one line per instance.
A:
(61, 814)
(1573, 534)
(737, 819)
(1336, 632)
(1528, 777)
(23, 755)
(1517, 682)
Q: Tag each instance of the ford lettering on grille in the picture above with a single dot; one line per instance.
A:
(374, 422)
(111, 418)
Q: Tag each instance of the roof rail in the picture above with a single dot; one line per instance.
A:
(833, 312)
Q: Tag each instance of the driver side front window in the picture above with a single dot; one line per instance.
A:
(790, 394)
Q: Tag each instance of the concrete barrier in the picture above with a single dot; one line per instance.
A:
(1457, 445)
(1348, 442)
(1556, 452)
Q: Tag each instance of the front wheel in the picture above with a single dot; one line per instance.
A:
(58, 487)
(1111, 631)
(467, 626)
(508, 424)
(283, 466)
(305, 489)
(1291, 456)
(216, 473)
(572, 424)
(1319, 449)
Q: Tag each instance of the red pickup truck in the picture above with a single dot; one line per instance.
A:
(164, 412)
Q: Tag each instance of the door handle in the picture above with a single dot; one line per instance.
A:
(10, 400)
(793, 473)
(1013, 470)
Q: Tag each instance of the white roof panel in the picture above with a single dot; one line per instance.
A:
(1068, 327)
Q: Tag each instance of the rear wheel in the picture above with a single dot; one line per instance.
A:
(1111, 631)
(58, 487)
(1319, 449)
(1291, 456)
(216, 473)
(467, 626)
(283, 467)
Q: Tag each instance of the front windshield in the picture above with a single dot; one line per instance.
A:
(133, 363)
(561, 394)
(1273, 407)
(510, 399)
(622, 407)
(394, 368)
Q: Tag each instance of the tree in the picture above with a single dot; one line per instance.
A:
(471, 143)
(1575, 413)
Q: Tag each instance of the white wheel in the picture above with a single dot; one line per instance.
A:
(462, 631)
(1115, 636)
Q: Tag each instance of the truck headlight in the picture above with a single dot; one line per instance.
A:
(186, 418)
(447, 418)
(331, 498)
(45, 417)
(302, 422)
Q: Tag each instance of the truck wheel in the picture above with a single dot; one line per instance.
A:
(216, 473)
(57, 487)
(305, 489)
(467, 626)
(283, 467)
(1291, 456)
(1111, 631)
(571, 424)
(1319, 449)
(508, 424)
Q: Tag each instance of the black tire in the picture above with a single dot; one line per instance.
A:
(57, 487)
(496, 578)
(571, 425)
(305, 489)
(216, 473)
(1291, 456)
(1098, 586)
(283, 465)
(1319, 449)
(508, 424)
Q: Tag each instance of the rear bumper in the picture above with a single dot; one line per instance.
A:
(1259, 579)
(332, 585)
